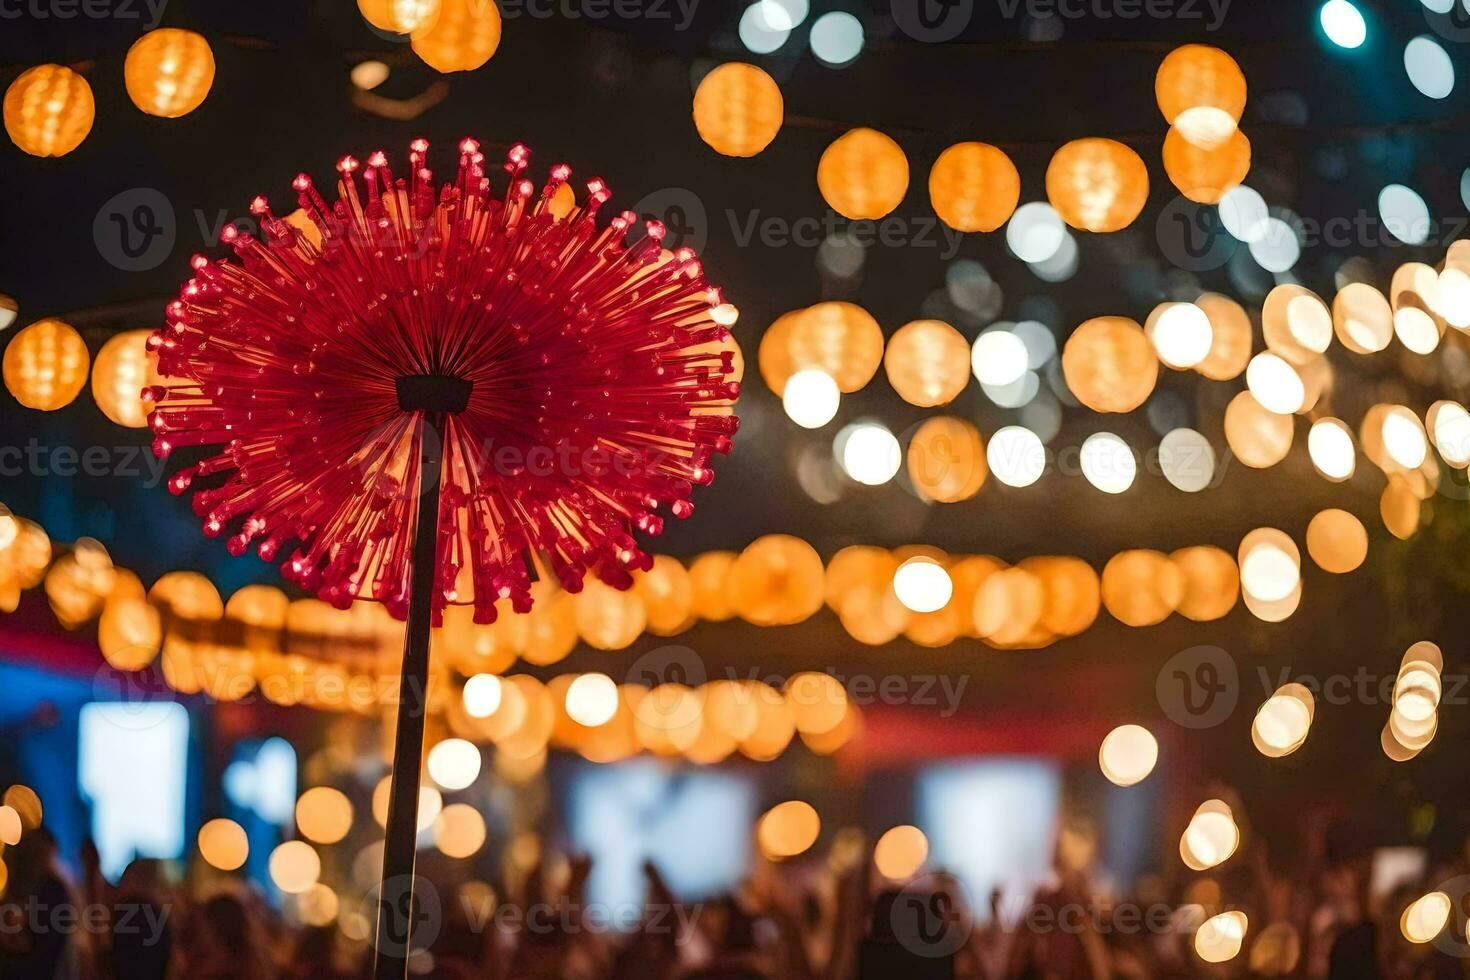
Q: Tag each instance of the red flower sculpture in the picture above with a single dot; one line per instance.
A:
(595, 371)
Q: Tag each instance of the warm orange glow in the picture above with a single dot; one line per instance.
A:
(738, 109)
(1097, 185)
(45, 365)
(974, 187)
(1201, 91)
(1110, 365)
(788, 829)
(120, 372)
(946, 460)
(49, 110)
(324, 815)
(168, 72)
(927, 363)
(1204, 174)
(863, 174)
(223, 844)
(777, 580)
(460, 37)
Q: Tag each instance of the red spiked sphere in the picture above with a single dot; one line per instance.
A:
(596, 372)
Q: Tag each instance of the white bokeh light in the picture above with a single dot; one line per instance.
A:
(868, 453)
(1343, 24)
(1243, 212)
(1187, 459)
(811, 398)
(1429, 67)
(1182, 335)
(592, 700)
(998, 357)
(922, 585)
(1016, 456)
(1404, 214)
(1035, 232)
(837, 38)
(758, 33)
(1108, 462)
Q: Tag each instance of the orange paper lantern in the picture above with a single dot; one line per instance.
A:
(863, 174)
(1097, 185)
(974, 187)
(738, 109)
(168, 72)
(49, 110)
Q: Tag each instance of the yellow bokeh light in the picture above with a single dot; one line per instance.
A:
(324, 815)
(1220, 938)
(119, 374)
(788, 829)
(223, 844)
(1128, 754)
(10, 828)
(459, 832)
(45, 365)
(295, 866)
(863, 174)
(399, 16)
(454, 763)
(592, 700)
(49, 110)
(1258, 438)
(901, 852)
(168, 72)
(738, 109)
(1337, 541)
(26, 803)
(1426, 917)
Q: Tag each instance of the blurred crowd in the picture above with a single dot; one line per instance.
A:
(1314, 912)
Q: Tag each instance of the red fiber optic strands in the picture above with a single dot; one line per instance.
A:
(599, 391)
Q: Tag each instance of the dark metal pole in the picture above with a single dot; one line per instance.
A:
(397, 912)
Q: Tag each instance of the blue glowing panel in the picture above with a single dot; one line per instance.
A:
(993, 824)
(694, 825)
(132, 764)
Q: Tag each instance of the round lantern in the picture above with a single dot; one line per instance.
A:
(1201, 92)
(776, 581)
(946, 460)
(46, 365)
(1230, 337)
(927, 362)
(1211, 582)
(863, 174)
(1204, 174)
(974, 187)
(1097, 184)
(1109, 364)
(399, 16)
(1257, 437)
(738, 109)
(462, 37)
(168, 72)
(841, 339)
(49, 110)
(119, 374)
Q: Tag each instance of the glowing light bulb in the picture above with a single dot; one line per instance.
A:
(922, 585)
